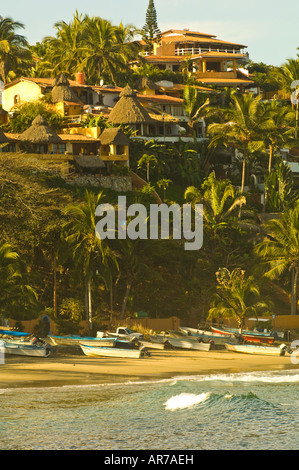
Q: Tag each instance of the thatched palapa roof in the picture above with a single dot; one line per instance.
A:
(3, 138)
(40, 133)
(128, 110)
(113, 135)
(62, 92)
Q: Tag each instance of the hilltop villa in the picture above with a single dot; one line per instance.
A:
(213, 61)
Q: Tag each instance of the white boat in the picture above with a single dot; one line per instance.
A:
(96, 351)
(74, 340)
(34, 348)
(188, 344)
(257, 349)
(150, 345)
(206, 336)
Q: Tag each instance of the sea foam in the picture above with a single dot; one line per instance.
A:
(185, 400)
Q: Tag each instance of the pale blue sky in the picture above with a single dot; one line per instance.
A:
(268, 27)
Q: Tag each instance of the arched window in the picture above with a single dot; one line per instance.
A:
(16, 99)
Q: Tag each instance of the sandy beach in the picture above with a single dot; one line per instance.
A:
(67, 369)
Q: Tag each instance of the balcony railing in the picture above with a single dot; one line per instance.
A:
(202, 50)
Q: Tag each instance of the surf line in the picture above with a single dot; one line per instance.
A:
(134, 222)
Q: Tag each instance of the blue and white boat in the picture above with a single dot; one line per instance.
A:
(34, 347)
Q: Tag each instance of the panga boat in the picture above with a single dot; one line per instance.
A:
(35, 347)
(189, 344)
(205, 335)
(256, 349)
(111, 352)
(73, 340)
(247, 335)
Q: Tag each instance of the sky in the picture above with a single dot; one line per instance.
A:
(269, 28)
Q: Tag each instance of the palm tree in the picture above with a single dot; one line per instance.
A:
(88, 251)
(13, 288)
(287, 73)
(14, 50)
(275, 128)
(64, 53)
(219, 200)
(195, 104)
(147, 160)
(103, 56)
(236, 297)
(280, 250)
(240, 129)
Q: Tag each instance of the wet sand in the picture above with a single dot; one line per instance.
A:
(69, 369)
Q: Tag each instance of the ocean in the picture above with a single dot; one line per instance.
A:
(241, 411)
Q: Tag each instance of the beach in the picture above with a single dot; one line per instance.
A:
(71, 369)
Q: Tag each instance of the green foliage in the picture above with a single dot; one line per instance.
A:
(236, 296)
(71, 309)
(27, 112)
(151, 31)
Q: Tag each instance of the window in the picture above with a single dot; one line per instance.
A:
(16, 99)
(120, 150)
(59, 148)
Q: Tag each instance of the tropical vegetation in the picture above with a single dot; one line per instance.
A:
(50, 257)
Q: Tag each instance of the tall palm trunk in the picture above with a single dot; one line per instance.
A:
(294, 290)
(125, 301)
(55, 287)
(243, 173)
(88, 306)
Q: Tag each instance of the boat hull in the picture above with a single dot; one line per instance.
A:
(252, 336)
(75, 341)
(206, 336)
(191, 344)
(259, 350)
(16, 349)
(95, 351)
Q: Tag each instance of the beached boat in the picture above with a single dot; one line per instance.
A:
(26, 348)
(182, 343)
(13, 333)
(96, 351)
(74, 340)
(247, 335)
(207, 336)
(151, 345)
(256, 349)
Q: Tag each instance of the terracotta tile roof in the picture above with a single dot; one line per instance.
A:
(175, 35)
(163, 99)
(44, 82)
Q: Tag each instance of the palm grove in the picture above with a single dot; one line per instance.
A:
(50, 259)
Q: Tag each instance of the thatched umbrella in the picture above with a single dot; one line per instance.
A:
(40, 133)
(62, 92)
(128, 110)
(115, 136)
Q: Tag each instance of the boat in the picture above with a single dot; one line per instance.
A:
(207, 336)
(257, 349)
(247, 335)
(35, 347)
(96, 351)
(152, 345)
(13, 333)
(74, 340)
(188, 344)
